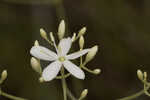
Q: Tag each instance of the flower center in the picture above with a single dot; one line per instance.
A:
(61, 59)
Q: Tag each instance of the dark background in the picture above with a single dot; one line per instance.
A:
(119, 27)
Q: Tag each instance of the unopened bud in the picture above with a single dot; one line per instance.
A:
(61, 29)
(36, 43)
(145, 75)
(73, 37)
(140, 74)
(91, 54)
(41, 80)
(52, 37)
(97, 71)
(82, 31)
(3, 76)
(43, 33)
(81, 42)
(83, 94)
(36, 65)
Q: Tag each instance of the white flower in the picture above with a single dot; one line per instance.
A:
(58, 60)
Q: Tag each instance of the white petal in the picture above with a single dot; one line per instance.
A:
(51, 71)
(74, 70)
(65, 45)
(77, 54)
(43, 53)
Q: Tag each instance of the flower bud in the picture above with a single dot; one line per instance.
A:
(36, 43)
(91, 54)
(145, 75)
(3, 76)
(36, 65)
(41, 80)
(61, 29)
(81, 42)
(97, 71)
(83, 94)
(52, 37)
(73, 37)
(43, 34)
(140, 74)
(82, 31)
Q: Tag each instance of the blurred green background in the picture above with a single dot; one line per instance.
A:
(119, 27)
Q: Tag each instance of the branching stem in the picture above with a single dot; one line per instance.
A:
(134, 95)
(11, 96)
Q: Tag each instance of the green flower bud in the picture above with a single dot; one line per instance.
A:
(61, 29)
(145, 75)
(140, 74)
(52, 37)
(73, 37)
(3, 76)
(97, 71)
(36, 43)
(43, 34)
(83, 94)
(91, 54)
(36, 66)
(81, 42)
(82, 31)
(41, 80)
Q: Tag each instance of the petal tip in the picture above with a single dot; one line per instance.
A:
(82, 77)
(46, 78)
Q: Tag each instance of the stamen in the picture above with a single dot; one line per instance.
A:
(61, 59)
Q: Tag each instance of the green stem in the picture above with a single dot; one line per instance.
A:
(146, 87)
(70, 95)
(135, 95)
(81, 61)
(64, 85)
(11, 96)
(65, 76)
(88, 70)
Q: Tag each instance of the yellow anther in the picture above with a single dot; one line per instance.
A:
(61, 59)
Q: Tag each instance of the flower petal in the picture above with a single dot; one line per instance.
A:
(51, 71)
(77, 54)
(65, 45)
(74, 70)
(43, 53)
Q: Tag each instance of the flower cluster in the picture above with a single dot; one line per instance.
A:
(143, 77)
(60, 58)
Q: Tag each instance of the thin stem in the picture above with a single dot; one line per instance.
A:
(11, 96)
(85, 63)
(72, 97)
(81, 61)
(146, 87)
(64, 85)
(88, 70)
(65, 76)
(134, 95)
